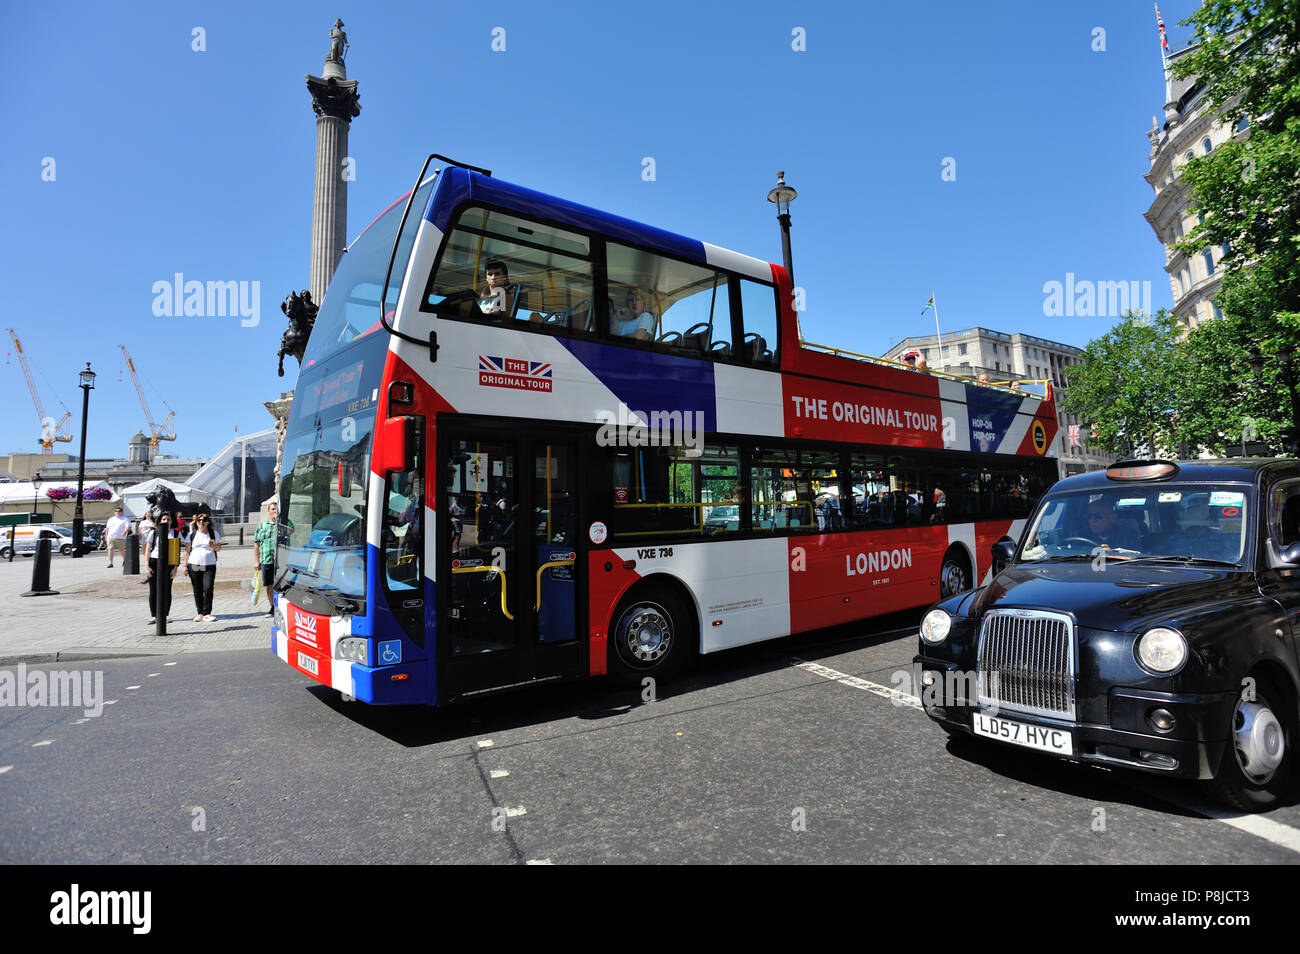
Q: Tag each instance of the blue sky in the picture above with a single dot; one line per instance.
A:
(170, 160)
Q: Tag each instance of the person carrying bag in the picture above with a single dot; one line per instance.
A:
(202, 544)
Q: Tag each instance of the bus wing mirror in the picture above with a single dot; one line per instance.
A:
(397, 444)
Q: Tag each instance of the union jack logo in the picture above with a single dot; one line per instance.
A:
(1074, 435)
(517, 373)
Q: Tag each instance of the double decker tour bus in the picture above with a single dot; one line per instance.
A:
(532, 441)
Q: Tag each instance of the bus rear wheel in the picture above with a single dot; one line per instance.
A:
(954, 577)
(650, 636)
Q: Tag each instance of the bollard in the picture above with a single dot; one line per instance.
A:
(131, 557)
(241, 536)
(163, 578)
(41, 571)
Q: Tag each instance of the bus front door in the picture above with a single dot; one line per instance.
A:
(508, 566)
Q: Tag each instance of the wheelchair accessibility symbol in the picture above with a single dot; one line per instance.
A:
(390, 652)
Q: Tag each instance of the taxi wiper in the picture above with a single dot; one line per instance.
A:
(1187, 558)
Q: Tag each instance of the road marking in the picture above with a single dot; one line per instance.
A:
(110, 702)
(539, 861)
(133, 687)
(37, 745)
(169, 664)
(80, 721)
(1283, 835)
(498, 773)
(897, 696)
(152, 674)
(516, 812)
(5, 768)
(484, 743)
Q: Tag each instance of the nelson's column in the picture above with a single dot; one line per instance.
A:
(336, 101)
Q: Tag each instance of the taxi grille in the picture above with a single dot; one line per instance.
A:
(1026, 663)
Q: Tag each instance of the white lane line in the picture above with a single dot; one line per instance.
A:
(37, 745)
(152, 674)
(1275, 832)
(515, 812)
(498, 773)
(539, 861)
(110, 702)
(896, 696)
(80, 721)
(1279, 834)
(5, 768)
(133, 687)
(484, 743)
(169, 664)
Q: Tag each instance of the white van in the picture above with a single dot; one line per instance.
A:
(24, 537)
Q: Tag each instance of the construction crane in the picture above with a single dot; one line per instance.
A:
(156, 433)
(50, 431)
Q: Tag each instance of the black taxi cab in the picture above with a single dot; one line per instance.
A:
(1147, 620)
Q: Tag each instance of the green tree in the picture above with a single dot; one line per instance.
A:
(1248, 195)
(1126, 385)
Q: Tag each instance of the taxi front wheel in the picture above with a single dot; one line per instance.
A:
(1257, 767)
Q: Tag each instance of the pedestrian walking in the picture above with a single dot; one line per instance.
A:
(264, 553)
(202, 545)
(163, 532)
(115, 532)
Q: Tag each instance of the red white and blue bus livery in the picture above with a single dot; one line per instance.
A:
(568, 444)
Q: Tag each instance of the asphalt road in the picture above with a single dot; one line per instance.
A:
(751, 757)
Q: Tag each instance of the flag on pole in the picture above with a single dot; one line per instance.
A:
(1160, 22)
(928, 305)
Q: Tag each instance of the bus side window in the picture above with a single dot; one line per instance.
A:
(758, 304)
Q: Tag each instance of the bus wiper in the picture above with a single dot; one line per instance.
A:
(344, 605)
(295, 570)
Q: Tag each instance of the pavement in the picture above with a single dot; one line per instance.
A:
(101, 613)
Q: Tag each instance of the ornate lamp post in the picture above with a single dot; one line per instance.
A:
(36, 497)
(78, 520)
(1257, 362)
(783, 195)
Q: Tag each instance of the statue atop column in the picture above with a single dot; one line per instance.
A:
(301, 312)
(338, 43)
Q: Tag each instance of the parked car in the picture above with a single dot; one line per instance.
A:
(24, 536)
(1146, 620)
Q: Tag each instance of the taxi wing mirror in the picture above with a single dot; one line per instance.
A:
(1004, 551)
(1291, 554)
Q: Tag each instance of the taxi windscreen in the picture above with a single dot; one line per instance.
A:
(1183, 523)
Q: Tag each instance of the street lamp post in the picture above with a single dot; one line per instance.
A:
(78, 520)
(36, 496)
(1256, 362)
(783, 195)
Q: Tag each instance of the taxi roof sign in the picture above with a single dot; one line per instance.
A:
(1141, 470)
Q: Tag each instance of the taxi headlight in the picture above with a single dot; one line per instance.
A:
(935, 626)
(1161, 650)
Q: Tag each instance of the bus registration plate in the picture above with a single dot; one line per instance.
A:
(1056, 741)
(307, 663)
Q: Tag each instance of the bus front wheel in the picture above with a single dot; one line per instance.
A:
(650, 637)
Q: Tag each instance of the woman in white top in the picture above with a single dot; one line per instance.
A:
(200, 560)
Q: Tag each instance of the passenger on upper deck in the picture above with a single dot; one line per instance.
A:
(635, 320)
(499, 295)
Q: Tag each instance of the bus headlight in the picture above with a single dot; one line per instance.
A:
(935, 626)
(1161, 650)
(354, 649)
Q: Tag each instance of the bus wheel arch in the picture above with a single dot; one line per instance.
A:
(653, 629)
(956, 573)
